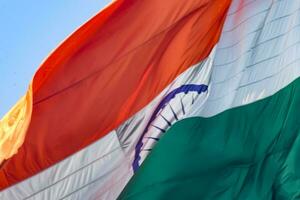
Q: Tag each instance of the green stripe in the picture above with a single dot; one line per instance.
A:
(250, 152)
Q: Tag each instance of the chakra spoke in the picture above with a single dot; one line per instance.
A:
(193, 99)
(162, 130)
(146, 149)
(182, 107)
(169, 123)
(173, 112)
(153, 138)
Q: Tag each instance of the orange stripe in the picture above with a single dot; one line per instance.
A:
(108, 70)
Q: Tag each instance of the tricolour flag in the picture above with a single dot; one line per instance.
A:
(173, 99)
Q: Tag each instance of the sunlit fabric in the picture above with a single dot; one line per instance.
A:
(114, 69)
(13, 127)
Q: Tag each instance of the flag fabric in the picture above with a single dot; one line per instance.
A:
(109, 71)
(176, 99)
(243, 140)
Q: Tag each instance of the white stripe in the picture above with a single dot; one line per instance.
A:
(72, 173)
(257, 55)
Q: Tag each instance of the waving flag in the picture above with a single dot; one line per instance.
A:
(192, 99)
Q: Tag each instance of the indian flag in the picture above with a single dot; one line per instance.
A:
(173, 99)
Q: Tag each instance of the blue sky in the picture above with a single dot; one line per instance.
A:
(29, 31)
